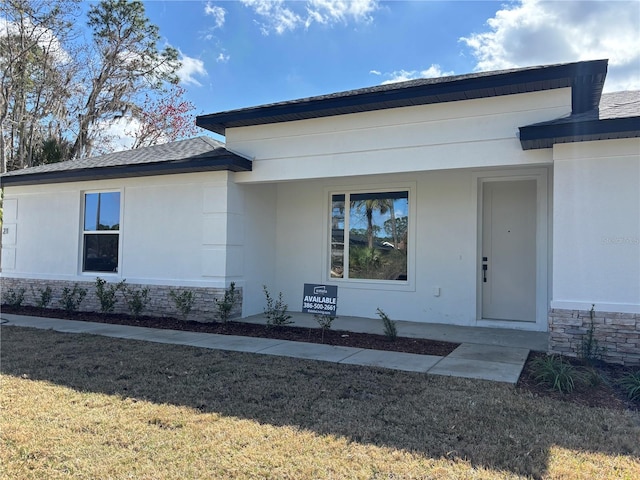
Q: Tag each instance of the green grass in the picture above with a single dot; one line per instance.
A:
(80, 406)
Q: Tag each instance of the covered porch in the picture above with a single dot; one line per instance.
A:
(502, 337)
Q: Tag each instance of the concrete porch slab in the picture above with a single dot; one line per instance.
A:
(509, 337)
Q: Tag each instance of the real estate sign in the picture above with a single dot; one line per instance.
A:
(320, 299)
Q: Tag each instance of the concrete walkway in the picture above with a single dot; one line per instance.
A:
(488, 354)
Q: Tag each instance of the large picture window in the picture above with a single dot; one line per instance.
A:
(101, 235)
(369, 234)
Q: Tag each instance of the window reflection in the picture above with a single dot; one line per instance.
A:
(102, 211)
(337, 236)
(375, 228)
(101, 232)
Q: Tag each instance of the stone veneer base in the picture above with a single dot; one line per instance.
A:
(161, 304)
(617, 334)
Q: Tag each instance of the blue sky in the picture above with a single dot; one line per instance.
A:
(251, 52)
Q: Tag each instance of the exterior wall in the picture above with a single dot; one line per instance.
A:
(178, 230)
(617, 334)
(596, 245)
(596, 217)
(197, 231)
(40, 230)
(466, 134)
(160, 302)
(443, 255)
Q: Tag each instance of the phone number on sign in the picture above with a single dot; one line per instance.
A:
(320, 306)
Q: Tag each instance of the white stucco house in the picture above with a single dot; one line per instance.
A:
(506, 199)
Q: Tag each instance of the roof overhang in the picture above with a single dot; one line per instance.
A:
(585, 78)
(545, 135)
(233, 163)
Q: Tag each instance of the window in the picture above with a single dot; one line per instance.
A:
(101, 233)
(374, 228)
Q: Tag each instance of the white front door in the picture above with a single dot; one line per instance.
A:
(508, 276)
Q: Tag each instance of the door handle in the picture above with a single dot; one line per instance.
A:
(485, 267)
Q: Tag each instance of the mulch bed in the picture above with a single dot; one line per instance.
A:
(299, 334)
(606, 394)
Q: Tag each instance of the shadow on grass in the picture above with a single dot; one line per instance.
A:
(488, 424)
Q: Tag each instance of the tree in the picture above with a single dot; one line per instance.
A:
(165, 119)
(52, 150)
(128, 62)
(400, 224)
(369, 206)
(59, 94)
(35, 74)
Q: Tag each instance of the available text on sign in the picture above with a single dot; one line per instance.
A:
(320, 299)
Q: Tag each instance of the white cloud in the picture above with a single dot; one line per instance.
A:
(279, 16)
(218, 14)
(433, 71)
(535, 32)
(222, 58)
(43, 37)
(334, 11)
(115, 135)
(190, 69)
(118, 135)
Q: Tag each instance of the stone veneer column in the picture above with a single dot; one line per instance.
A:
(617, 333)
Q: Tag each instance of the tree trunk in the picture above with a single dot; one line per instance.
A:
(394, 229)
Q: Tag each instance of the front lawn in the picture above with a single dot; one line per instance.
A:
(81, 406)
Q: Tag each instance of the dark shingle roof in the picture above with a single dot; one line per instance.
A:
(192, 155)
(585, 78)
(618, 116)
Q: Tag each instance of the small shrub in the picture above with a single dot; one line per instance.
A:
(325, 322)
(276, 310)
(590, 376)
(183, 301)
(589, 349)
(137, 299)
(225, 305)
(557, 373)
(71, 298)
(107, 294)
(14, 298)
(631, 385)
(390, 329)
(365, 261)
(44, 296)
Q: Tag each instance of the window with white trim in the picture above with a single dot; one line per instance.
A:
(101, 232)
(369, 235)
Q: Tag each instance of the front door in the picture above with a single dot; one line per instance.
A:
(509, 250)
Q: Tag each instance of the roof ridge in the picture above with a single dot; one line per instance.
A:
(201, 150)
(211, 141)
